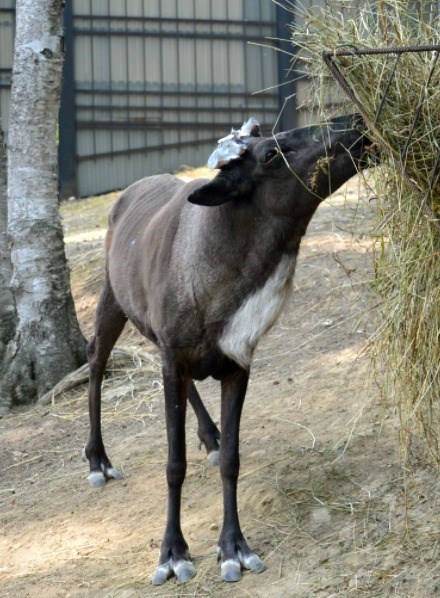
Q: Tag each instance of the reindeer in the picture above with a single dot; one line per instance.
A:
(203, 269)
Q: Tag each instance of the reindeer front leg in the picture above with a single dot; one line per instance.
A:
(174, 555)
(232, 548)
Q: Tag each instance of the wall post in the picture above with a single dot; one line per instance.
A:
(67, 158)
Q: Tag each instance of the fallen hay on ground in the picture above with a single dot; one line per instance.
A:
(123, 365)
(407, 252)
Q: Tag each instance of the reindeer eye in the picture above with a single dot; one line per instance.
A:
(270, 155)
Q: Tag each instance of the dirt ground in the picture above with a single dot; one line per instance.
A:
(321, 494)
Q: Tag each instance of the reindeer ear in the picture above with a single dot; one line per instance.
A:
(232, 182)
(255, 131)
(214, 193)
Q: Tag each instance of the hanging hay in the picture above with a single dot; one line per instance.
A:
(407, 252)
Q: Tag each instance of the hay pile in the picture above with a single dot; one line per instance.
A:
(407, 252)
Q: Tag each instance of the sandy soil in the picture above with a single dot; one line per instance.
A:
(321, 493)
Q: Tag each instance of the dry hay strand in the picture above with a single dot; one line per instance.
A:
(406, 257)
(321, 166)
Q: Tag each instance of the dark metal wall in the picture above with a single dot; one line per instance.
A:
(7, 32)
(149, 85)
(158, 81)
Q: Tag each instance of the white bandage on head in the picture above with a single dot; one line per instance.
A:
(232, 146)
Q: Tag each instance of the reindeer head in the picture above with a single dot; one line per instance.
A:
(291, 172)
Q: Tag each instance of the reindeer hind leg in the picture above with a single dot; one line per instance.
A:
(207, 432)
(110, 321)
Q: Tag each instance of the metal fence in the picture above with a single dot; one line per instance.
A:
(149, 85)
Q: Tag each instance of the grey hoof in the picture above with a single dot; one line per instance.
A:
(214, 458)
(111, 472)
(231, 570)
(162, 574)
(252, 562)
(96, 479)
(184, 570)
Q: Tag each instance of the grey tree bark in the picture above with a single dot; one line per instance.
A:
(48, 343)
(7, 307)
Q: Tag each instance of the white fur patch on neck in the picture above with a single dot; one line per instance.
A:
(257, 314)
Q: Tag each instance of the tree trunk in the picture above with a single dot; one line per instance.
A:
(7, 308)
(48, 343)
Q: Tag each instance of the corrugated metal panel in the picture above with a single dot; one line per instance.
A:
(158, 82)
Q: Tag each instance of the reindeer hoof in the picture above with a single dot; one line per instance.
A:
(252, 562)
(96, 479)
(183, 570)
(111, 472)
(231, 570)
(162, 574)
(214, 458)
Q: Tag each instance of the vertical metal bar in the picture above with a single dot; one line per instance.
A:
(228, 62)
(196, 84)
(211, 49)
(67, 162)
(127, 74)
(178, 112)
(160, 41)
(110, 76)
(245, 64)
(8, 79)
(144, 71)
(263, 78)
(288, 118)
(92, 65)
